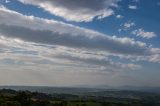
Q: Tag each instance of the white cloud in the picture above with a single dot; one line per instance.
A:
(24, 42)
(50, 32)
(7, 1)
(119, 16)
(77, 10)
(4, 1)
(33, 42)
(144, 34)
(17, 52)
(133, 7)
(126, 26)
(47, 52)
(155, 58)
(45, 31)
(129, 24)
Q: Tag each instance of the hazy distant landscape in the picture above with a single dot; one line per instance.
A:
(83, 91)
(63, 96)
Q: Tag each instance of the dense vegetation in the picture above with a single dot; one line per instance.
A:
(27, 98)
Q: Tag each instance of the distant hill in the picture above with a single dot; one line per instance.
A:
(61, 96)
(119, 92)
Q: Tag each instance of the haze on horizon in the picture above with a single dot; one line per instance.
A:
(86, 43)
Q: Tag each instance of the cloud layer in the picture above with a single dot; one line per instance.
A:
(77, 10)
(144, 34)
(53, 32)
(47, 48)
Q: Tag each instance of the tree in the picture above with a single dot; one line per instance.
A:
(24, 98)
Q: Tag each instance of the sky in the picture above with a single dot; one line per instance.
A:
(80, 43)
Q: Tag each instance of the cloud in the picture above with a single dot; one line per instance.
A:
(119, 16)
(4, 1)
(129, 24)
(17, 52)
(7, 1)
(52, 32)
(126, 26)
(34, 41)
(132, 7)
(144, 34)
(77, 10)
(37, 51)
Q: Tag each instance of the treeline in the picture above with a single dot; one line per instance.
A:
(26, 98)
